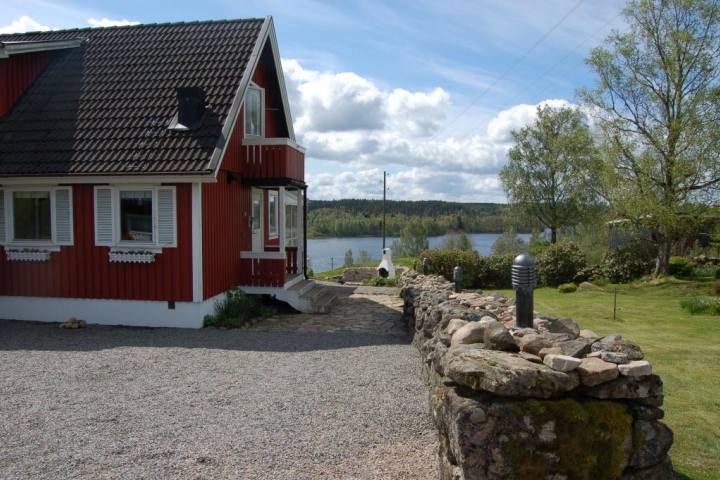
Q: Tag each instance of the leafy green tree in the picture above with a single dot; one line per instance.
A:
(457, 241)
(413, 239)
(545, 175)
(364, 256)
(349, 262)
(657, 109)
(509, 243)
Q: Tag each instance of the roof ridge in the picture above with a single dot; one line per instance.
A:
(140, 25)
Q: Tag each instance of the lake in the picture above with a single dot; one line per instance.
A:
(329, 253)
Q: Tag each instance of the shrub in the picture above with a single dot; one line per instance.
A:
(442, 262)
(717, 274)
(493, 271)
(600, 281)
(698, 306)
(716, 288)
(559, 263)
(567, 288)
(235, 309)
(681, 267)
(630, 262)
(380, 282)
(498, 271)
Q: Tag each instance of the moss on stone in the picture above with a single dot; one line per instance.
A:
(588, 443)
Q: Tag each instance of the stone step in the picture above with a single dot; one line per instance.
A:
(325, 302)
(314, 293)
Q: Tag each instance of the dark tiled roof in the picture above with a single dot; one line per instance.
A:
(105, 107)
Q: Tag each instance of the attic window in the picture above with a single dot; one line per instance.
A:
(191, 109)
(254, 99)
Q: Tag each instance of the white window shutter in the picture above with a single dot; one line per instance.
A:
(63, 216)
(104, 217)
(166, 217)
(3, 234)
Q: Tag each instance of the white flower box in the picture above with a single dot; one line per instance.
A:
(132, 257)
(28, 256)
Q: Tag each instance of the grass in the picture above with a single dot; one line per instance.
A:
(684, 350)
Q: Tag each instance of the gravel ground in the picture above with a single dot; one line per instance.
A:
(119, 402)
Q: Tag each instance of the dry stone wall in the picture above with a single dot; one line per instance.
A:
(554, 401)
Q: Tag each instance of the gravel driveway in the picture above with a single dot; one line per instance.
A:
(119, 402)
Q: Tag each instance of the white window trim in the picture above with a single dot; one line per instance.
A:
(139, 244)
(119, 246)
(254, 86)
(273, 234)
(51, 245)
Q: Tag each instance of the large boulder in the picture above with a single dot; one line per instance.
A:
(497, 337)
(617, 344)
(472, 332)
(647, 390)
(484, 437)
(503, 374)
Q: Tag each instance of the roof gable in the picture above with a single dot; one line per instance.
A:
(105, 106)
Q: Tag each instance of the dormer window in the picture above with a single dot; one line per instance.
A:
(254, 121)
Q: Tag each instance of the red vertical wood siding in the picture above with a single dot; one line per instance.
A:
(272, 161)
(266, 77)
(17, 73)
(85, 271)
(226, 210)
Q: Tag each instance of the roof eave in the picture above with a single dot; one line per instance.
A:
(108, 178)
(16, 48)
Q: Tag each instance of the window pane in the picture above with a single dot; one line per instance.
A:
(256, 215)
(136, 221)
(291, 225)
(31, 215)
(253, 112)
(272, 213)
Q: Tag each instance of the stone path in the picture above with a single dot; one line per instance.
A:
(361, 309)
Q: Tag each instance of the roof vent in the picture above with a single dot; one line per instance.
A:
(191, 109)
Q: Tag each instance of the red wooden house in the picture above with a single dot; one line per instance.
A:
(146, 170)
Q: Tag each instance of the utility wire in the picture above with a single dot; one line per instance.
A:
(511, 68)
(510, 102)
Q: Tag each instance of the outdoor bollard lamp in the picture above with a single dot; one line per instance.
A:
(524, 281)
(426, 265)
(457, 278)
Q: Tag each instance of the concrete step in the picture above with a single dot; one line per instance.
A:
(302, 287)
(325, 302)
(314, 293)
(308, 296)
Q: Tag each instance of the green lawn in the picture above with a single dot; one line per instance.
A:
(684, 350)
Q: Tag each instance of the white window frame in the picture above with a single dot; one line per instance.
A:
(66, 231)
(291, 230)
(253, 86)
(273, 233)
(107, 232)
(118, 218)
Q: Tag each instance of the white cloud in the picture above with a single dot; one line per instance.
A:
(352, 129)
(105, 22)
(24, 24)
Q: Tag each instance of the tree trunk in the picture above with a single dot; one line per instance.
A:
(662, 265)
(553, 236)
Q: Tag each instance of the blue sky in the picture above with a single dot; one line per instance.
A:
(426, 90)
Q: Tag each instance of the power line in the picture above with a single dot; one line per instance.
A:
(511, 68)
(509, 102)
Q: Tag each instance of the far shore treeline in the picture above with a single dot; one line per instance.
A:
(362, 217)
